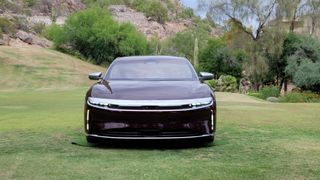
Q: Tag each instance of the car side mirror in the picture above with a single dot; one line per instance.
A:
(206, 76)
(95, 76)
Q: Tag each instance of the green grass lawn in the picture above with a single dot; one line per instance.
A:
(32, 67)
(255, 140)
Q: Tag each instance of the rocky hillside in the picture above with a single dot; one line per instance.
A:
(21, 21)
(150, 27)
(146, 25)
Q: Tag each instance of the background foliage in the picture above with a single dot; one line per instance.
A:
(94, 34)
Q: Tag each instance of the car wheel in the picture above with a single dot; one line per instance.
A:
(91, 139)
(209, 140)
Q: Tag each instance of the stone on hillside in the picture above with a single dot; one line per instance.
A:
(32, 39)
(24, 36)
(273, 99)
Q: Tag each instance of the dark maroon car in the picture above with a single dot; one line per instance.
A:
(150, 98)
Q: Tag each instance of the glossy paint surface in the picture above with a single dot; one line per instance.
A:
(159, 122)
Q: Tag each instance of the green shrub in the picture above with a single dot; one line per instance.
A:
(269, 91)
(97, 36)
(212, 83)
(295, 97)
(224, 84)
(105, 3)
(39, 27)
(186, 13)
(170, 5)
(54, 33)
(157, 11)
(30, 3)
(6, 26)
(255, 94)
(20, 23)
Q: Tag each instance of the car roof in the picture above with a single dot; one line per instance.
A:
(143, 58)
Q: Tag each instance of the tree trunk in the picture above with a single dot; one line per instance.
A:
(313, 25)
(255, 78)
(281, 84)
(285, 85)
(292, 27)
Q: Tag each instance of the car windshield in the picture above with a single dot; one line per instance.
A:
(152, 70)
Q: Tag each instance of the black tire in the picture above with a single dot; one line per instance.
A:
(91, 139)
(209, 140)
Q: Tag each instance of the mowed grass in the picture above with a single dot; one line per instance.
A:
(41, 114)
(254, 140)
(33, 67)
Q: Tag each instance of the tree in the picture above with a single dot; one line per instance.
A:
(290, 10)
(313, 11)
(303, 57)
(244, 13)
(183, 43)
(217, 58)
(273, 40)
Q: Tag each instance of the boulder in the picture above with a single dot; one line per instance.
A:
(24, 36)
(272, 99)
(32, 39)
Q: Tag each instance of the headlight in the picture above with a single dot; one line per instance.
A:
(98, 102)
(192, 103)
(202, 103)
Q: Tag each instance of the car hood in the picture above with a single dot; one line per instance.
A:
(150, 90)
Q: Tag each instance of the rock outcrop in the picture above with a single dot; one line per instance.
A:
(147, 26)
(150, 27)
(32, 39)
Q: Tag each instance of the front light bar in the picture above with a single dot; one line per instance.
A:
(191, 103)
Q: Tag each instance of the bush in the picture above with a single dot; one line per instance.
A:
(186, 13)
(21, 23)
(305, 97)
(30, 3)
(6, 26)
(269, 91)
(255, 94)
(54, 33)
(224, 84)
(97, 36)
(39, 27)
(213, 83)
(157, 11)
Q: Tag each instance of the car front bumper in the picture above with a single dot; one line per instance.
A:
(154, 124)
(204, 137)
